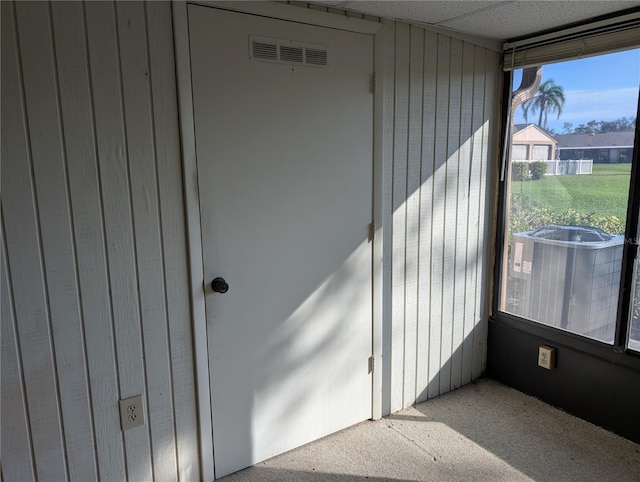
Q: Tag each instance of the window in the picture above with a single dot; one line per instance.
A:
(565, 233)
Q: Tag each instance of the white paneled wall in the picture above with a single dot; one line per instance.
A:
(95, 301)
(438, 159)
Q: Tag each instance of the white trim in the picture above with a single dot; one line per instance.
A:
(296, 14)
(381, 391)
(192, 201)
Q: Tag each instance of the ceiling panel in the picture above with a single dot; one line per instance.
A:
(500, 20)
(428, 12)
(517, 19)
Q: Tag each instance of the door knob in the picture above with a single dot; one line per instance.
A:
(219, 285)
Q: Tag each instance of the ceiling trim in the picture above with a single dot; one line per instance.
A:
(295, 13)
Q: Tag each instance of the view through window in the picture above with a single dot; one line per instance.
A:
(569, 170)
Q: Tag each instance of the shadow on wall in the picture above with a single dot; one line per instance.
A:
(307, 369)
(438, 289)
(438, 181)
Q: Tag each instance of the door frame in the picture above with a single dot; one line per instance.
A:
(381, 321)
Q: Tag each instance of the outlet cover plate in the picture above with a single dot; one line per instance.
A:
(547, 357)
(131, 412)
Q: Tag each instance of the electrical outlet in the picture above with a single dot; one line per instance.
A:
(546, 357)
(131, 412)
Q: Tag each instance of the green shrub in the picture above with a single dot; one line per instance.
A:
(526, 215)
(538, 169)
(520, 171)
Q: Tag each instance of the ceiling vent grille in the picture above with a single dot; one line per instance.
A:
(288, 52)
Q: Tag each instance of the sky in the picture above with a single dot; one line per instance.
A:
(595, 88)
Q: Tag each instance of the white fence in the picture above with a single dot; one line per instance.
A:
(565, 167)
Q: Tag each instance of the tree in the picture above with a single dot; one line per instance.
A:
(622, 124)
(567, 128)
(549, 98)
(592, 127)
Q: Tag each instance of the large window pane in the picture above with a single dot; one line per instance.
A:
(567, 202)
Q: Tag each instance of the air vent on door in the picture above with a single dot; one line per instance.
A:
(316, 56)
(288, 52)
(265, 51)
(291, 54)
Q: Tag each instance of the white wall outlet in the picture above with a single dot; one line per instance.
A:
(546, 357)
(131, 412)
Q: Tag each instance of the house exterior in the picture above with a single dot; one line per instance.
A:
(609, 147)
(530, 142)
(107, 286)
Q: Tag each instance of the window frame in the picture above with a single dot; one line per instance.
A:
(618, 353)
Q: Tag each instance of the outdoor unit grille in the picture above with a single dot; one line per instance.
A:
(569, 278)
(288, 52)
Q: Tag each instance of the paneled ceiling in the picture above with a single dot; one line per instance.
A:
(501, 20)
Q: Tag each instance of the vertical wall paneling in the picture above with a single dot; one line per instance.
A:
(49, 169)
(438, 215)
(467, 223)
(105, 49)
(399, 208)
(462, 211)
(447, 348)
(473, 344)
(77, 118)
(174, 242)
(426, 207)
(414, 152)
(436, 158)
(26, 270)
(95, 295)
(143, 180)
(17, 454)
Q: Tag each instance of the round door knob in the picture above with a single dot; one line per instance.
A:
(219, 285)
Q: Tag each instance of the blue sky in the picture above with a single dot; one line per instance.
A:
(596, 88)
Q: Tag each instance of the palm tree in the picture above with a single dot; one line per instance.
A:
(549, 98)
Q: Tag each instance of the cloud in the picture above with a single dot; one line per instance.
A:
(585, 105)
(581, 106)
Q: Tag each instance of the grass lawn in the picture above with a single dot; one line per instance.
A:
(603, 193)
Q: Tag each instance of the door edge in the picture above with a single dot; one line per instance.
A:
(194, 240)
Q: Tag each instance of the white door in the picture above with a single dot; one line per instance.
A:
(284, 155)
